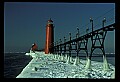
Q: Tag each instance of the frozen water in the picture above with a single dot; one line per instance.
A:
(54, 66)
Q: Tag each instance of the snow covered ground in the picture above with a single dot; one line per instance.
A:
(54, 66)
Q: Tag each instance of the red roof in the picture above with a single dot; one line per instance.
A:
(50, 20)
(34, 47)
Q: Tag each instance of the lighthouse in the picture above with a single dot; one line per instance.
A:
(49, 37)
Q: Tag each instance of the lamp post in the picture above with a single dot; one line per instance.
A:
(60, 41)
(88, 63)
(70, 49)
(70, 35)
(104, 21)
(87, 29)
(91, 20)
(64, 39)
(78, 32)
(64, 46)
(57, 47)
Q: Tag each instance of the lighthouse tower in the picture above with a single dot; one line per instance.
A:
(49, 37)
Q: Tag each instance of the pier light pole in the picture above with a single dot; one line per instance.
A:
(60, 46)
(70, 35)
(57, 47)
(104, 21)
(88, 64)
(69, 57)
(70, 48)
(64, 46)
(105, 63)
(77, 45)
(70, 45)
(60, 41)
(64, 39)
(60, 49)
(76, 62)
(78, 32)
(91, 20)
(87, 29)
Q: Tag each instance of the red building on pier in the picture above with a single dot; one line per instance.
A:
(49, 37)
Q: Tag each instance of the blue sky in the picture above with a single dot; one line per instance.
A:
(25, 22)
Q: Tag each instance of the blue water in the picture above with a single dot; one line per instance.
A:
(14, 63)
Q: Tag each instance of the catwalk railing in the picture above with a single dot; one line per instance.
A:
(80, 43)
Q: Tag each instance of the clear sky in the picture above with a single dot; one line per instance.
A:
(25, 22)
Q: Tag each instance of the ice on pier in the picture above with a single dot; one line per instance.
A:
(56, 66)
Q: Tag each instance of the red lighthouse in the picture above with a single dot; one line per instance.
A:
(49, 37)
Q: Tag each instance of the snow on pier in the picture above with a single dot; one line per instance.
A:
(55, 66)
